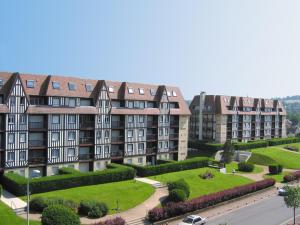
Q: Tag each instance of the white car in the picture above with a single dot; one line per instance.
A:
(194, 220)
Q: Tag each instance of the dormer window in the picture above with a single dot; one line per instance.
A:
(111, 89)
(174, 93)
(152, 92)
(72, 86)
(1, 83)
(30, 83)
(141, 91)
(130, 90)
(169, 93)
(55, 85)
(89, 87)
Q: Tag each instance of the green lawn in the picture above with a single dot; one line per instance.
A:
(277, 177)
(265, 156)
(293, 144)
(234, 165)
(200, 186)
(7, 216)
(127, 193)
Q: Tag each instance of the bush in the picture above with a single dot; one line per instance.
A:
(180, 184)
(250, 145)
(198, 162)
(93, 209)
(275, 169)
(282, 141)
(245, 167)
(58, 214)
(68, 170)
(38, 204)
(181, 208)
(201, 145)
(292, 148)
(207, 175)
(18, 184)
(177, 195)
(292, 176)
(115, 221)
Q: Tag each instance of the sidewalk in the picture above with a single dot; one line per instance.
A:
(12, 201)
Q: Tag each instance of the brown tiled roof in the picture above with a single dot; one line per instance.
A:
(126, 111)
(59, 110)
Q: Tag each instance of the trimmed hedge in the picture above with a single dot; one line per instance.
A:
(275, 169)
(292, 176)
(250, 145)
(58, 214)
(93, 209)
(145, 171)
(68, 170)
(282, 141)
(115, 172)
(115, 221)
(38, 204)
(181, 208)
(245, 167)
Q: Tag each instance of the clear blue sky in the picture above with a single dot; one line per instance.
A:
(229, 47)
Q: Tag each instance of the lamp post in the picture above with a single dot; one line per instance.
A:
(28, 179)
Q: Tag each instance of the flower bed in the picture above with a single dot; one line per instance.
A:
(292, 176)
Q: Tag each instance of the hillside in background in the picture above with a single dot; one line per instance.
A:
(292, 105)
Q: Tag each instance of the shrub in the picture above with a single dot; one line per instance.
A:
(115, 221)
(245, 167)
(282, 141)
(18, 184)
(292, 176)
(181, 208)
(292, 148)
(68, 170)
(38, 204)
(177, 195)
(275, 169)
(93, 208)
(180, 184)
(250, 145)
(207, 175)
(58, 214)
(197, 162)
(205, 146)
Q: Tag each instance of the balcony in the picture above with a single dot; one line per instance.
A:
(151, 137)
(151, 151)
(117, 124)
(152, 123)
(173, 149)
(85, 156)
(37, 160)
(36, 125)
(87, 124)
(117, 139)
(117, 154)
(86, 140)
(174, 136)
(37, 143)
(174, 123)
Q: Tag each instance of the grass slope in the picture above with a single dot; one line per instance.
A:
(7, 216)
(128, 193)
(200, 186)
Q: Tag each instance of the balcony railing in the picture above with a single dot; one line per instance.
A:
(37, 160)
(152, 123)
(87, 124)
(117, 139)
(174, 136)
(151, 151)
(36, 125)
(174, 123)
(117, 124)
(86, 140)
(37, 143)
(116, 154)
(173, 149)
(85, 156)
(151, 137)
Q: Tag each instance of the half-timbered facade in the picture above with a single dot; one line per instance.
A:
(48, 122)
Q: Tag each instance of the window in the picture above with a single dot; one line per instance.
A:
(130, 104)
(130, 119)
(142, 105)
(55, 119)
(136, 104)
(106, 150)
(160, 144)
(140, 160)
(71, 152)
(161, 132)
(55, 153)
(22, 137)
(141, 146)
(141, 91)
(174, 93)
(169, 93)
(56, 102)
(167, 131)
(161, 119)
(72, 102)
(22, 119)
(11, 138)
(71, 135)
(10, 156)
(22, 100)
(71, 166)
(166, 144)
(55, 136)
(72, 119)
(89, 87)
(166, 119)
(30, 83)
(106, 134)
(72, 86)
(107, 120)
(22, 173)
(141, 133)
(130, 133)
(111, 89)
(129, 161)
(99, 119)
(98, 150)
(55, 170)
(22, 155)
(1, 83)
(130, 148)
(55, 85)
(106, 103)
(98, 134)
(130, 90)
(12, 100)
(11, 119)
(152, 92)
(141, 119)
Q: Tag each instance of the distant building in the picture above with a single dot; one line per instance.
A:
(217, 118)
(48, 122)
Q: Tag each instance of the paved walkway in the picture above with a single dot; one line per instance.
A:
(12, 201)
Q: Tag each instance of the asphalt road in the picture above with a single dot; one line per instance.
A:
(271, 211)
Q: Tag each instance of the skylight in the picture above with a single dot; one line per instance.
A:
(169, 93)
(1, 82)
(89, 87)
(111, 89)
(152, 92)
(130, 90)
(55, 85)
(141, 91)
(174, 93)
(72, 86)
(30, 83)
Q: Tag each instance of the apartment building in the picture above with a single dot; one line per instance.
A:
(48, 122)
(217, 118)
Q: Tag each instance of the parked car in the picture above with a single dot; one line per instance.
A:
(194, 220)
(282, 191)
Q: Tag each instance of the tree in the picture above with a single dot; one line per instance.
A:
(228, 152)
(292, 199)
